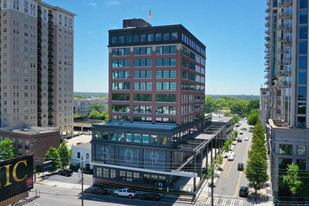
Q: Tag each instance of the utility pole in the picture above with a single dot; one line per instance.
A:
(82, 181)
(212, 185)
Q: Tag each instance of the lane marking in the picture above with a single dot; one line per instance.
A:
(228, 173)
(238, 183)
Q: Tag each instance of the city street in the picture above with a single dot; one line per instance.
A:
(230, 180)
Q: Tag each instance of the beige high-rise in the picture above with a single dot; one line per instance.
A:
(36, 65)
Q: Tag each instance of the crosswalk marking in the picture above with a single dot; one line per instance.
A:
(216, 201)
(224, 201)
(232, 202)
(208, 200)
(241, 202)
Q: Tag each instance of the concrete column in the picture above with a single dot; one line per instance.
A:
(212, 146)
(202, 158)
(194, 180)
(207, 157)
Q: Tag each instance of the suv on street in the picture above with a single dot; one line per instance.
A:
(98, 191)
(240, 167)
(65, 172)
(243, 191)
(150, 196)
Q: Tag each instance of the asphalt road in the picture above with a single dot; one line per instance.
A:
(230, 180)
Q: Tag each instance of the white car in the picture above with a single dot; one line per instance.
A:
(230, 158)
(246, 138)
(232, 153)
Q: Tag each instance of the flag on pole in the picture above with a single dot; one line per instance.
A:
(149, 15)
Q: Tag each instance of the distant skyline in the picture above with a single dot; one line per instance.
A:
(233, 32)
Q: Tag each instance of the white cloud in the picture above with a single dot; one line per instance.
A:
(93, 4)
(112, 3)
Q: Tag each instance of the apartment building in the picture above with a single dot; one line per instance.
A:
(81, 106)
(157, 122)
(36, 65)
(284, 110)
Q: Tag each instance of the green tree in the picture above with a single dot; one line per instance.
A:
(6, 149)
(253, 104)
(105, 115)
(78, 96)
(254, 117)
(256, 170)
(53, 155)
(235, 119)
(234, 134)
(237, 108)
(219, 161)
(64, 154)
(258, 131)
(95, 115)
(97, 107)
(292, 180)
(227, 145)
(210, 105)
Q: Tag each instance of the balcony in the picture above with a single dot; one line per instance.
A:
(267, 17)
(287, 28)
(267, 45)
(267, 24)
(267, 38)
(280, 50)
(267, 31)
(287, 42)
(285, 15)
(280, 27)
(267, 10)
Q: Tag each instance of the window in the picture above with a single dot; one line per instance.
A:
(143, 38)
(303, 17)
(158, 37)
(135, 38)
(166, 62)
(121, 74)
(166, 86)
(142, 50)
(301, 163)
(87, 156)
(300, 150)
(120, 97)
(302, 93)
(302, 62)
(114, 40)
(166, 110)
(121, 85)
(99, 172)
(142, 85)
(121, 108)
(142, 62)
(166, 98)
(301, 108)
(285, 149)
(121, 52)
(174, 36)
(150, 37)
(166, 74)
(143, 74)
(78, 154)
(121, 63)
(166, 49)
(143, 97)
(166, 36)
(303, 47)
(142, 109)
(128, 39)
(303, 32)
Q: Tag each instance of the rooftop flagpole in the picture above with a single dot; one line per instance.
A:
(149, 15)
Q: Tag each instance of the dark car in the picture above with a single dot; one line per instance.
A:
(239, 139)
(150, 196)
(98, 191)
(240, 167)
(243, 191)
(65, 172)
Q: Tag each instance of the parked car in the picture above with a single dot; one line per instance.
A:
(246, 138)
(65, 172)
(240, 167)
(241, 133)
(232, 153)
(125, 192)
(230, 158)
(243, 191)
(239, 139)
(150, 196)
(98, 191)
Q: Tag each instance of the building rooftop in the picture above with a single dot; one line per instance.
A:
(278, 123)
(83, 145)
(31, 130)
(222, 119)
(139, 125)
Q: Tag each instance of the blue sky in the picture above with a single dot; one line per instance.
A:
(232, 30)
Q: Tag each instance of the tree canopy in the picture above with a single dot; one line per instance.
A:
(254, 117)
(53, 155)
(6, 149)
(240, 107)
(292, 180)
(64, 154)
